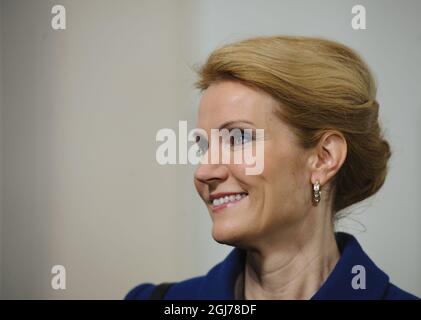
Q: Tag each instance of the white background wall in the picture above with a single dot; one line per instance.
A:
(81, 108)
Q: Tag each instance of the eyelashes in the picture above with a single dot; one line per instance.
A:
(240, 137)
(202, 144)
(236, 137)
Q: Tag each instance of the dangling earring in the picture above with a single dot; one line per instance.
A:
(316, 192)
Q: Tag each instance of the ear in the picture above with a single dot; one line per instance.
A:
(328, 157)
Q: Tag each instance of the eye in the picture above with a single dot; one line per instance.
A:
(202, 145)
(240, 136)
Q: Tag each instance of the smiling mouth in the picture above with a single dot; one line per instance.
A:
(223, 200)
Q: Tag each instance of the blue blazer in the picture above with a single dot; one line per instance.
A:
(218, 283)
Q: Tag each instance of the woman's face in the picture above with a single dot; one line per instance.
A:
(260, 207)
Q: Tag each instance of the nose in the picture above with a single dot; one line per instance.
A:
(211, 173)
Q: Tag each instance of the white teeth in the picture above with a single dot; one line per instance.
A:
(226, 199)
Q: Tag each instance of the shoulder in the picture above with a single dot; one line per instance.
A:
(368, 282)
(186, 290)
(140, 292)
(217, 284)
(395, 293)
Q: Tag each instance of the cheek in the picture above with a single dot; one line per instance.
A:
(238, 173)
(275, 177)
(284, 174)
(277, 167)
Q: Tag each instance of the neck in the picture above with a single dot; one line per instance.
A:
(295, 265)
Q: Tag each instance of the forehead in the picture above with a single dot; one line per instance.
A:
(231, 101)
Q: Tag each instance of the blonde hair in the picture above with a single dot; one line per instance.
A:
(321, 85)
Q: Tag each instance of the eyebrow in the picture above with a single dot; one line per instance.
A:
(230, 123)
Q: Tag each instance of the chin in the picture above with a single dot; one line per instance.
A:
(229, 234)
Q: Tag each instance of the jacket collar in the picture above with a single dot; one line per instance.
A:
(220, 280)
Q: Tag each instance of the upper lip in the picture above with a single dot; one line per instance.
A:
(223, 194)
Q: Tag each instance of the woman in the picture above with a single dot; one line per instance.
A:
(323, 151)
